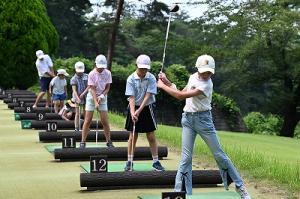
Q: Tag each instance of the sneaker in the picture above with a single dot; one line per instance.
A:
(242, 191)
(82, 145)
(157, 166)
(128, 166)
(76, 129)
(109, 144)
(34, 106)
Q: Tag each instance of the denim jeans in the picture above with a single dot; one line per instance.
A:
(201, 123)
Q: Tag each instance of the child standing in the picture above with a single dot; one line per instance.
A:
(99, 80)
(141, 90)
(197, 120)
(79, 87)
(58, 89)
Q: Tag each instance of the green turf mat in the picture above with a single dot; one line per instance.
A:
(211, 195)
(119, 166)
(26, 124)
(52, 147)
(17, 116)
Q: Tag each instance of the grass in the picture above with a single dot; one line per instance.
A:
(264, 157)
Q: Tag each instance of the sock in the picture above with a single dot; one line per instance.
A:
(155, 158)
(130, 158)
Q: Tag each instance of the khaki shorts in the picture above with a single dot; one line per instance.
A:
(90, 105)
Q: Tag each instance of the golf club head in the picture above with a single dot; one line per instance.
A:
(174, 8)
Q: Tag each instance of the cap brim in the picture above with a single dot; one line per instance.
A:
(65, 74)
(79, 70)
(203, 70)
(101, 66)
(143, 66)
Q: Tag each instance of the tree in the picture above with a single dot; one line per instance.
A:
(260, 46)
(24, 28)
(113, 33)
(70, 22)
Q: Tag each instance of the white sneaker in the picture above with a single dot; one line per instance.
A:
(242, 191)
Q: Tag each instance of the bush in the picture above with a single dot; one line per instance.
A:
(228, 107)
(297, 131)
(68, 64)
(257, 123)
(24, 28)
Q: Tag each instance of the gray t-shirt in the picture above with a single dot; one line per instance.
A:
(58, 85)
(81, 83)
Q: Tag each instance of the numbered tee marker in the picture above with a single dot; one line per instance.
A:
(40, 116)
(21, 103)
(98, 164)
(28, 109)
(173, 195)
(51, 127)
(68, 142)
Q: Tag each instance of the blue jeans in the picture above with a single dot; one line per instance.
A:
(201, 123)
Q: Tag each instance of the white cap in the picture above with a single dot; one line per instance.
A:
(39, 54)
(79, 67)
(62, 72)
(101, 61)
(205, 63)
(143, 61)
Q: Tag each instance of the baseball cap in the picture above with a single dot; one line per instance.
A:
(101, 61)
(79, 67)
(39, 54)
(62, 72)
(143, 61)
(205, 63)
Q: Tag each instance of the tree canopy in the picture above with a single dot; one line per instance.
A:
(25, 27)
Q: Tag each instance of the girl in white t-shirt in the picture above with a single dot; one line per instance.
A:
(197, 120)
(58, 89)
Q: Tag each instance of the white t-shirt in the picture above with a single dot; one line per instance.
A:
(44, 66)
(58, 85)
(199, 102)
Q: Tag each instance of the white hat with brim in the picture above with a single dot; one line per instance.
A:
(101, 61)
(205, 63)
(143, 61)
(39, 54)
(62, 72)
(205, 69)
(79, 67)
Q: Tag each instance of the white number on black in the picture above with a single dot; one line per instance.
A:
(51, 126)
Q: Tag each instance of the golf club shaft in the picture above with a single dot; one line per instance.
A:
(132, 143)
(165, 47)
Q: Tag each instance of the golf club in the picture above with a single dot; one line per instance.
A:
(173, 9)
(97, 126)
(79, 118)
(132, 144)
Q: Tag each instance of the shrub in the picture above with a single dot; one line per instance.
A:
(228, 107)
(257, 123)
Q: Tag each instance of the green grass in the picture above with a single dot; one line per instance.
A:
(263, 157)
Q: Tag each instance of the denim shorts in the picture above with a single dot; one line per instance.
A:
(90, 105)
(44, 83)
(59, 97)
